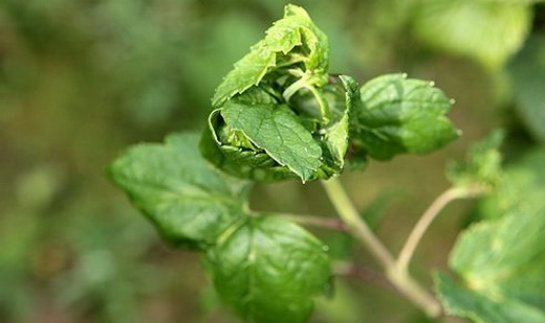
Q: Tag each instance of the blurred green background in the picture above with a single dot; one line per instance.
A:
(82, 79)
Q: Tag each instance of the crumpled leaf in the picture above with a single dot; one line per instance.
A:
(268, 269)
(277, 131)
(336, 136)
(488, 31)
(187, 200)
(292, 40)
(482, 165)
(256, 135)
(501, 261)
(398, 115)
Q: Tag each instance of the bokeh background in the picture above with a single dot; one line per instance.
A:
(82, 79)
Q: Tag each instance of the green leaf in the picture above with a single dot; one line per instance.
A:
(290, 41)
(277, 131)
(466, 303)
(527, 72)
(336, 136)
(268, 270)
(254, 136)
(482, 165)
(174, 187)
(488, 31)
(502, 264)
(399, 115)
(521, 183)
(254, 164)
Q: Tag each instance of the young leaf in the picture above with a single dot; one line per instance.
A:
(269, 269)
(470, 304)
(399, 115)
(520, 183)
(489, 31)
(502, 264)
(277, 131)
(188, 201)
(482, 165)
(294, 34)
(254, 136)
(336, 136)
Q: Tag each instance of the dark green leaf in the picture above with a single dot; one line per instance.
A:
(268, 269)
(399, 115)
(294, 34)
(175, 188)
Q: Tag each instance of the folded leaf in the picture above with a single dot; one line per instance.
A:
(398, 115)
(336, 136)
(268, 270)
(277, 131)
(188, 201)
(254, 135)
(294, 34)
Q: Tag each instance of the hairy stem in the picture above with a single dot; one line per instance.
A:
(405, 284)
(427, 218)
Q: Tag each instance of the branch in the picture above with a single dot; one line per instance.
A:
(405, 284)
(427, 218)
(355, 224)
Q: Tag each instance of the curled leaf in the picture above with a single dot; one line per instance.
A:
(258, 135)
(292, 42)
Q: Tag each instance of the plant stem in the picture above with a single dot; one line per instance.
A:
(355, 224)
(451, 194)
(316, 221)
(405, 284)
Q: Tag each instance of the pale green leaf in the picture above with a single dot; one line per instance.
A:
(482, 165)
(527, 72)
(399, 115)
(501, 261)
(187, 200)
(522, 182)
(294, 34)
(488, 31)
(466, 303)
(269, 269)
